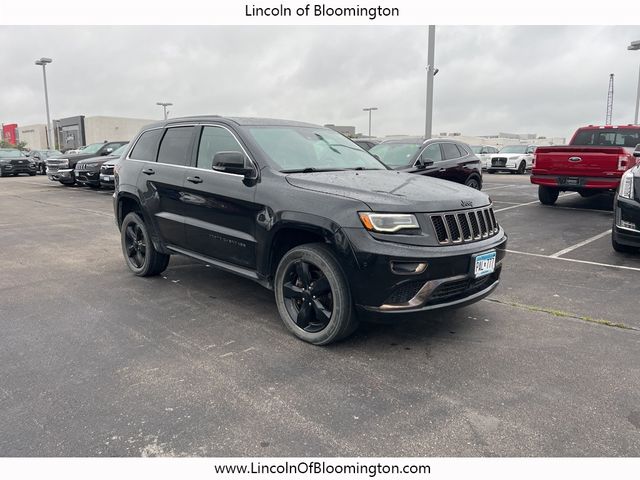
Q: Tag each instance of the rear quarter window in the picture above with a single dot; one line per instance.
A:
(450, 150)
(146, 147)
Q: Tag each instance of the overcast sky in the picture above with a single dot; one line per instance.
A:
(544, 80)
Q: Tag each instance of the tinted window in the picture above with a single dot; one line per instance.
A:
(214, 140)
(620, 137)
(450, 151)
(147, 146)
(174, 148)
(432, 152)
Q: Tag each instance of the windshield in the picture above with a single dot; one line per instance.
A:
(476, 148)
(119, 151)
(296, 149)
(514, 149)
(93, 148)
(396, 154)
(608, 137)
(10, 153)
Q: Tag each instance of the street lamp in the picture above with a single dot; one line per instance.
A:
(369, 109)
(43, 62)
(431, 72)
(164, 106)
(636, 46)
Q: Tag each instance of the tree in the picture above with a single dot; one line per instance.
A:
(19, 145)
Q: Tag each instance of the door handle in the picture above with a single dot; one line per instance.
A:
(194, 179)
(148, 171)
(442, 170)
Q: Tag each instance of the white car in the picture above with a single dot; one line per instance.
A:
(484, 152)
(512, 158)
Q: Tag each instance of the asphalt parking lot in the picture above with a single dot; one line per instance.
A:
(96, 361)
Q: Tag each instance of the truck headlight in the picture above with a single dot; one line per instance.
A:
(388, 222)
(626, 185)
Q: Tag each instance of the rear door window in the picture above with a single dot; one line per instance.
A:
(432, 152)
(175, 146)
(147, 146)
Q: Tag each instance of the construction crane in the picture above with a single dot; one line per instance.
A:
(609, 101)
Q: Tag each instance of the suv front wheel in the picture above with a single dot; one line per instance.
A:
(313, 295)
(141, 256)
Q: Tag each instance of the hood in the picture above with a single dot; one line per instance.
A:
(392, 191)
(508, 156)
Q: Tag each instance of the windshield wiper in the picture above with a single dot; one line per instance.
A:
(312, 170)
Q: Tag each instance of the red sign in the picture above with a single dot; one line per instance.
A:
(10, 133)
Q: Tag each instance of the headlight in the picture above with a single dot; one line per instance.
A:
(626, 185)
(90, 165)
(388, 222)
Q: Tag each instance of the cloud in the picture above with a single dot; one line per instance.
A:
(546, 80)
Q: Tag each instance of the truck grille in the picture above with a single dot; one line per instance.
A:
(464, 227)
(498, 162)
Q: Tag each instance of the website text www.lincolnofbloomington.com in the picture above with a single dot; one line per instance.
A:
(322, 468)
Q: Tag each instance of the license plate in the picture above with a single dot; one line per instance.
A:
(106, 178)
(485, 264)
(573, 181)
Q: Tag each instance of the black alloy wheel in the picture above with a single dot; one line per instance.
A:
(135, 245)
(139, 252)
(308, 296)
(473, 183)
(313, 295)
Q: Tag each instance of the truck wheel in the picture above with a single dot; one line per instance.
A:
(141, 256)
(313, 296)
(522, 167)
(547, 195)
(473, 182)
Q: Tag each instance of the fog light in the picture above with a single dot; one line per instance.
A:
(408, 268)
(625, 224)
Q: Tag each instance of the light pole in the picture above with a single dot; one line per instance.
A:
(431, 71)
(369, 109)
(636, 46)
(164, 106)
(43, 62)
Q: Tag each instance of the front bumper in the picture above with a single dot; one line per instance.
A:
(11, 169)
(63, 175)
(87, 177)
(447, 281)
(626, 226)
(107, 180)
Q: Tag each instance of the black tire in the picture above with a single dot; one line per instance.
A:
(33, 174)
(492, 172)
(522, 167)
(619, 247)
(139, 253)
(547, 195)
(95, 186)
(474, 182)
(329, 315)
(587, 193)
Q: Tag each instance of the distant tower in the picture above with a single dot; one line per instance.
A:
(609, 102)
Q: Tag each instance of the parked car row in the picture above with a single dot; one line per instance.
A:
(15, 162)
(82, 167)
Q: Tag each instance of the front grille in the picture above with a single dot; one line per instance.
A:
(106, 170)
(458, 289)
(405, 292)
(498, 162)
(81, 166)
(464, 227)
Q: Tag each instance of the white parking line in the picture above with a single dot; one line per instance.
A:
(581, 244)
(622, 267)
(496, 188)
(528, 203)
(502, 201)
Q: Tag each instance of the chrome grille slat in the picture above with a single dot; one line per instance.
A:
(464, 226)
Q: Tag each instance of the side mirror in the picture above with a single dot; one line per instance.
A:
(107, 151)
(424, 162)
(636, 152)
(232, 162)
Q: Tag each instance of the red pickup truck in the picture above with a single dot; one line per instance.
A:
(593, 162)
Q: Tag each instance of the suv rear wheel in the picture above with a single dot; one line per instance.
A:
(547, 195)
(141, 256)
(473, 182)
(313, 296)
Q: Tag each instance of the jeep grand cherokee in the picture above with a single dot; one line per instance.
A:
(304, 211)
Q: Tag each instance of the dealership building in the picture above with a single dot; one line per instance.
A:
(74, 132)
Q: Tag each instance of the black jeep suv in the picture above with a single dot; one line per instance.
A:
(306, 212)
